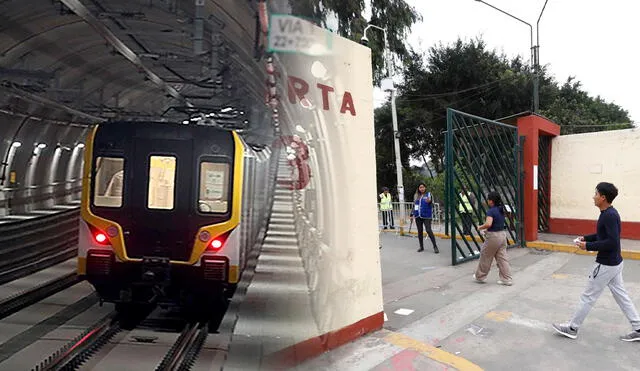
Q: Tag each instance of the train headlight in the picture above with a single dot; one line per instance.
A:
(112, 231)
(204, 236)
(216, 244)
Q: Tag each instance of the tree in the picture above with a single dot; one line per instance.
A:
(394, 15)
(577, 112)
(468, 77)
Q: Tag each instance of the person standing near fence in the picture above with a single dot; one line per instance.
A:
(607, 271)
(386, 207)
(423, 214)
(466, 211)
(495, 243)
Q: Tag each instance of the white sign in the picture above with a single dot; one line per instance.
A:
(535, 177)
(291, 34)
(213, 182)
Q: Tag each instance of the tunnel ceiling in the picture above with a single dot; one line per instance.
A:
(126, 59)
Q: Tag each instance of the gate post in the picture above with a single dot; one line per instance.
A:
(532, 127)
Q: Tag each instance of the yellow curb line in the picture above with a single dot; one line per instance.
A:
(551, 246)
(432, 352)
(441, 235)
(572, 249)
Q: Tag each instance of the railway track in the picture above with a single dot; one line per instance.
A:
(186, 349)
(33, 295)
(35, 244)
(77, 351)
(180, 357)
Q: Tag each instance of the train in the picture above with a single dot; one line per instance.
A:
(170, 213)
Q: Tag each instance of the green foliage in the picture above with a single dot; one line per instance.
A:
(577, 112)
(394, 15)
(468, 77)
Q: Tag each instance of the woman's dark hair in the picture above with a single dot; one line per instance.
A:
(497, 201)
(417, 195)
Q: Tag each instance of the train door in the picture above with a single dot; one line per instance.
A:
(161, 199)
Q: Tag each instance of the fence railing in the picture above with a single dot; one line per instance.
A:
(437, 222)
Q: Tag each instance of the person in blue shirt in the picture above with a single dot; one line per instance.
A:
(607, 271)
(495, 243)
(423, 213)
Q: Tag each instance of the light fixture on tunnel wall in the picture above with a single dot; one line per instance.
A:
(63, 148)
(226, 109)
(186, 122)
(241, 113)
(16, 144)
(245, 122)
(80, 145)
(41, 145)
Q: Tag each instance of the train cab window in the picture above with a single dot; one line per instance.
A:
(214, 187)
(109, 181)
(162, 182)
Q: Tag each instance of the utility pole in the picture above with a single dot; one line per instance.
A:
(387, 85)
(535, 58)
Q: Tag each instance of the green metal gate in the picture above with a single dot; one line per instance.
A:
(544, 182)
(482, 156)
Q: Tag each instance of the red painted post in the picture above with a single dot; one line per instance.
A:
(531, 127)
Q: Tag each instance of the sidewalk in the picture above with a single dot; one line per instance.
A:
(545, 241)
(439, 319)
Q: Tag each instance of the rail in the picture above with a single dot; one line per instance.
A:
(437, 215)
(31, 245)
(185, 350)
(33, 295)
(77, 351)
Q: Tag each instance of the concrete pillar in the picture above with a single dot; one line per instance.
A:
(532, 127)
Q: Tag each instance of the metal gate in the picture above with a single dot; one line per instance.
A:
(482, 156)
(544, 182)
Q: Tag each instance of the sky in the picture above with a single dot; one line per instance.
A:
(589, 39)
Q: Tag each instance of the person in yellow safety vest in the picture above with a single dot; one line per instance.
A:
(466, 211)
(386, 207)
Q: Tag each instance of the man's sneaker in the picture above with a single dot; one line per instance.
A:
(506, 283)
(477, 280)
(632, 336)
(566, 331)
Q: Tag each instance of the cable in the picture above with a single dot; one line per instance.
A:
(436, 95)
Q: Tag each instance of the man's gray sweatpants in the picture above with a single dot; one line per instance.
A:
(600, 277)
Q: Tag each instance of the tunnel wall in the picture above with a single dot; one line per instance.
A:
(328, 102)
(41, 161)
(578, 163)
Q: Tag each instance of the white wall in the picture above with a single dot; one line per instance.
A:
(337, 221)
(580, 161)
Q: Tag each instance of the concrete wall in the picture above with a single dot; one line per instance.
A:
(328, 104)
(578, 163)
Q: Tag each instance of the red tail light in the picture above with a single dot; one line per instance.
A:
(218, 242)
(99, 236)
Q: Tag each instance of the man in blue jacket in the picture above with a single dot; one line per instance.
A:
(608, 268)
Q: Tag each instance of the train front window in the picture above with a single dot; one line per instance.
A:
(162, 182)
(214, 187)
(109, 182)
